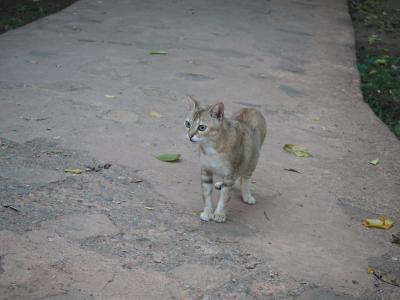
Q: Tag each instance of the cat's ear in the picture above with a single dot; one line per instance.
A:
(192, 103)
(217, 111)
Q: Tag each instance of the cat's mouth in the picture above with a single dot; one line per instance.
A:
(193, 138)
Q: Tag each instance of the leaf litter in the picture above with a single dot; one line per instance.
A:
(169, 157)
(297, 150)
(381, 223)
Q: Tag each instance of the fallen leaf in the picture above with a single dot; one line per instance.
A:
(107, 166)
(11, 207)
(382, 223)
(158, 52)
(155, 114)
(169, 157)
(386, 277)
(292, 170)
(297, 150)
(157, 258)
(374, 161)
(73, 171)
(110, 96)
(134, 180)
(149, 208)
(381, 61)
(396, 238)
(189, 8)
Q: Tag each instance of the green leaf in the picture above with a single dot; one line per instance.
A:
(169, 157)
(297, 150)
(374, 161)
(381, 61)
(158, 52)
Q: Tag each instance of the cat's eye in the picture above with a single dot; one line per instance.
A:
(202, 127)
(187, 124)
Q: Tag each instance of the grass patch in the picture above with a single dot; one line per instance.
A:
(380, 78)
(16, 13)
(377, 28)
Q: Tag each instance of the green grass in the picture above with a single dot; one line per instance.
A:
(8, 23)
(380, 78)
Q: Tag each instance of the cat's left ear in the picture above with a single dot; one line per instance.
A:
(192, 103)
(217, 111)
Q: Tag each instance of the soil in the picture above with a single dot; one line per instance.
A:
(18, 13)
(388, 11)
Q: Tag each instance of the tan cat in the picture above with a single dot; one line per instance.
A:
(228, 148)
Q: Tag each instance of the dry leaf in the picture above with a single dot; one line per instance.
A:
(149, 208)
(158, 52)
(110, 96)
(382, 223)
(374, 161)
(396, 238)
(73, 171)
(155, 114)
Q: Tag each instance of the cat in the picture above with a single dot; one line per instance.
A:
(228, 148)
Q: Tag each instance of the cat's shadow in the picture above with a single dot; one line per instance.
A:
(242, 218)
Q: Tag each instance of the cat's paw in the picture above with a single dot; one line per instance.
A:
(249, 200)
(206, 215)
(218, 185)
(219, 217)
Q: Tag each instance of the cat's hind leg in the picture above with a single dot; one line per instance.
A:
(246, 193)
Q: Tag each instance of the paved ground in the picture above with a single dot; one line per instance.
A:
(105, 235)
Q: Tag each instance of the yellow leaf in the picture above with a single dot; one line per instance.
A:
(155, 114)
(110, 96)
(370, 271)
(73, 171)
(382, 223)
(374, 161)
(149, 208)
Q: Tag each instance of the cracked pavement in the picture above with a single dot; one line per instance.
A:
(77, 90)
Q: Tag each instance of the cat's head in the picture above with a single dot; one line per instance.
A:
(203, 123)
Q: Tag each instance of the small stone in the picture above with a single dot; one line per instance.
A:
(128, 266)
(251, 265)
(354, 281)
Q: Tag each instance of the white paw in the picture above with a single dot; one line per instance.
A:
(218, 185)
(249, 200)
(206, 215)
(219, 217)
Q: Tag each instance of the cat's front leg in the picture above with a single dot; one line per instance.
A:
(206, 186)
(225, 196)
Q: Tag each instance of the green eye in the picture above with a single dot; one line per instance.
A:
(187, 124)
(202, 127)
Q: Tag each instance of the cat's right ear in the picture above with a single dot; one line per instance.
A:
(192, 103)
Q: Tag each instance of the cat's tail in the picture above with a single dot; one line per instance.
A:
(255, 120)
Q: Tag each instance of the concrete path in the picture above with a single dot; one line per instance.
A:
(77, 89)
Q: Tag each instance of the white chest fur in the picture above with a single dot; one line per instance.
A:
(213, 161)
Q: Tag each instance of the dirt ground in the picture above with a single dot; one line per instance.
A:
(78, 89)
